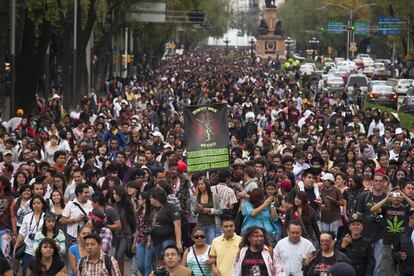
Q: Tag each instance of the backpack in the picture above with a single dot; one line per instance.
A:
(108, 263)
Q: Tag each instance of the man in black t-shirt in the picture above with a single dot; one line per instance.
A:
(374, 224)
(396, 216)
(255, 256)
(165, 223)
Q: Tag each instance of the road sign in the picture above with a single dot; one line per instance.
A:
(361, 28)
(148, 12)
(389, 26)
(336, 27)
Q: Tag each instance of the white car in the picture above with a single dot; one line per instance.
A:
(368, 62)
(403, 85)
(362, 56)
(360, 80)
(338, 59)
(306, 69)
(331, 73)
(379, 65)
(335, 84)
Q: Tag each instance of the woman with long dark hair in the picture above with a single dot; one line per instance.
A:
(124, 208)
(207, 209)
(58, 203)
(47, 260)
(19, 179)
(261, 212)
(32, 223)
(142, 261)
(59, 183)
(20, 206)
(305, 215)
(33, 168)
(50, 230)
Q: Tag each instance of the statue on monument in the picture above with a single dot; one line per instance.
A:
(270, 4)
(263, 28)
(279, 28)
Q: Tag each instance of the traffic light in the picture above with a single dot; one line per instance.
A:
(196, 17)
(322, 29)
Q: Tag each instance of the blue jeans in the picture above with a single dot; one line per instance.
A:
(142, 260)
(211, 231)
(333, 227)
(378, 251)
(27, 259)
(158, 250)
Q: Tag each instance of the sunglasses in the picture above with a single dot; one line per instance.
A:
(199, 237)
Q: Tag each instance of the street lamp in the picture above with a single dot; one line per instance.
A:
(349, 30)
(227, 41)
(314, 44)
(251, 46)
(289, 42)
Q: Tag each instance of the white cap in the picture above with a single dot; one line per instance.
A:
(328, 176)
(398, 130)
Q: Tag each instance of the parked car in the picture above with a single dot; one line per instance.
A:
(407, 105)
(360, 80)
(383, 94)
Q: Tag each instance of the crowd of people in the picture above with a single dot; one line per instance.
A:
(317, 183)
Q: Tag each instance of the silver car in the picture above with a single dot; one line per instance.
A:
(384, 95)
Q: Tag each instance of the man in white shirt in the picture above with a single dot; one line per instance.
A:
(294, 250)
(75, 214)
(70, 192)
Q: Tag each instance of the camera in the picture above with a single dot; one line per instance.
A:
(162, 271)
(147, 231)
(31, 236)
(396, 194)
(378, 218)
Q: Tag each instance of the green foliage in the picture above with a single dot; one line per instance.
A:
(406, 119)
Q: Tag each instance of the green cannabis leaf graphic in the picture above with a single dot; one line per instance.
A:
(395, 226)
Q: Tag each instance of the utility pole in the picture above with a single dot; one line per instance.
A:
(13, 57)
(126, 53)
(75, 42)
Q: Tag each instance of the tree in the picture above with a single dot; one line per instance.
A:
(4, 21)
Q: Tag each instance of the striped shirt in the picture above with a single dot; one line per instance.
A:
(88, 268)
(225, 194)
(200, 268)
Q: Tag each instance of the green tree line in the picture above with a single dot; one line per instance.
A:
(45, 28)
(300, 18)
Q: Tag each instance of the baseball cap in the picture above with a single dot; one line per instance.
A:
(328, 176)
(7, 152)
(355, 217)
